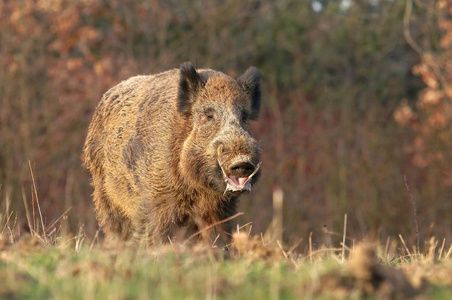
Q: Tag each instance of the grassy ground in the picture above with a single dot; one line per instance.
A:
(31, 268)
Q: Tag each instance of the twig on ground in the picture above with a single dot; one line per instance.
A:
(213, 225)
(343, 238)
(37, 202)
(442, 248)
(310, 246)
(406, 248)
(413, 203)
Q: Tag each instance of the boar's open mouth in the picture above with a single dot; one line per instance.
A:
(240, 181)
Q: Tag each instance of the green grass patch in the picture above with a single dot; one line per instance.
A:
(57, 272)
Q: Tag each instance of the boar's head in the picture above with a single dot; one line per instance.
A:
(219, 152)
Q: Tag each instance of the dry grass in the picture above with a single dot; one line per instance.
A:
(48, 265)
(44, 262)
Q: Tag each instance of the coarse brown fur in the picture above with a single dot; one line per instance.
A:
(154, 149)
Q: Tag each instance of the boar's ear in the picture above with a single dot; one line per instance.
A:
(189, 85)
(250, 82)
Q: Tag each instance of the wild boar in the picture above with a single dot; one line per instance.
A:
(173, 151)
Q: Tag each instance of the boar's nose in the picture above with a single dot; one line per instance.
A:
(242, 169)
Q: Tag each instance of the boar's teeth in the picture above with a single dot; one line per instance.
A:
(255, 170)
(233, 188)
(221, 167)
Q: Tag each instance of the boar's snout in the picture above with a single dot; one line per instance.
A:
(242, 169)
(237, 172)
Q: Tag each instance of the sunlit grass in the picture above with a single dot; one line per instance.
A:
(73, 269)
(45, 263)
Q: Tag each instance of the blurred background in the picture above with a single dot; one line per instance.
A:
(356, 114)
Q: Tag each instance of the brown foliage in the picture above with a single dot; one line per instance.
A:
(431, 122)
(332, 81)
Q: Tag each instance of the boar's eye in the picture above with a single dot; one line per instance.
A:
(209, 114)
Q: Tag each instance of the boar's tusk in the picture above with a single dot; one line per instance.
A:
(255, 170)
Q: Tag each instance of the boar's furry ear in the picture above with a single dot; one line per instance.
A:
(250, 82)
(189, 84)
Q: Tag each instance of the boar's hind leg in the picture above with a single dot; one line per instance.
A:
(112, 221)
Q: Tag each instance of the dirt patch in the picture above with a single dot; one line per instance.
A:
(365, 276)
(253, 248)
